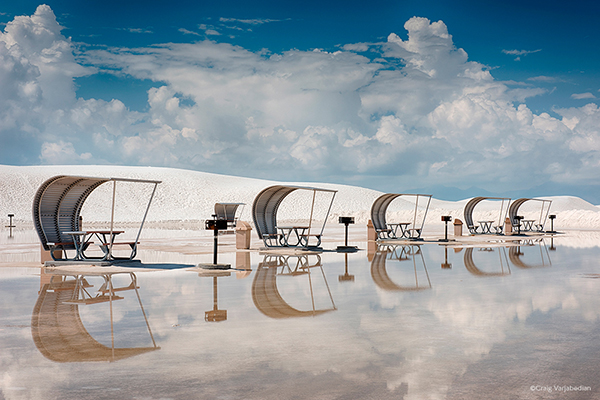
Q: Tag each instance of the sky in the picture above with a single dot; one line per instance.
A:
(456, 98)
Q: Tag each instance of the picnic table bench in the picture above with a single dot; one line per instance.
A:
(305, 239)
(392, 231)
(82, 241)
(64, 246)
(273, 239)
(413, 233)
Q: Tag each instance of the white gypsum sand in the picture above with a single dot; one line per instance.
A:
(186, 195)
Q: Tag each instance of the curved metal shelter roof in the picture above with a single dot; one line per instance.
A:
(57, 204)
(514, 210)
(470, 206)
(58, 201)
(227, 210)
(267, 202)
(59, 333)
(380, 206)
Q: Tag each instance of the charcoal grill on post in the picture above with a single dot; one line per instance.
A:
(10, 225)
(346, 221)
(215, 225)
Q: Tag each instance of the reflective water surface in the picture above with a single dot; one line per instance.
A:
(515, 320)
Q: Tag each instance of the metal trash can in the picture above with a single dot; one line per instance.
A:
(243, 232)
(371, 234)
(458, 227)
(507, 226)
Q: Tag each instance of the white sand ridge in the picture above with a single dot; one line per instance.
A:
(186, 195)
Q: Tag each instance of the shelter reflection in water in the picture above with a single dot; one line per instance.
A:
(408, 258)
(56, 324)
(471, 266)
(266, 292)
(530, 254)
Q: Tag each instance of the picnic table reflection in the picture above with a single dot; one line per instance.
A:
(265, 291)
(379, 267)
(520, 259)
(56, 326)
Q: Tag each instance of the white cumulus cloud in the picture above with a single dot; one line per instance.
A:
(418, 112)
(580, 96)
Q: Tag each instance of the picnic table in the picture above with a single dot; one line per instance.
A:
(82, 240)
(486, 226)
(527, 224)
(291, 235)
(402, 226)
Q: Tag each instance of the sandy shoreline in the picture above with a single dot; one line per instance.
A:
(196, 246)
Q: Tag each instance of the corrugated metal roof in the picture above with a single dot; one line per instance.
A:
(470, 206)
(266, 203)
(227, 210)
(57, 205)
(380, 206)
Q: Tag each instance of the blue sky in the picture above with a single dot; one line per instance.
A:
(392, 95)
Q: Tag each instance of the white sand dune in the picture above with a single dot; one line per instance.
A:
(186, 195)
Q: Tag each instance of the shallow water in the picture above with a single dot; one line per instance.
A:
(412, 322)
